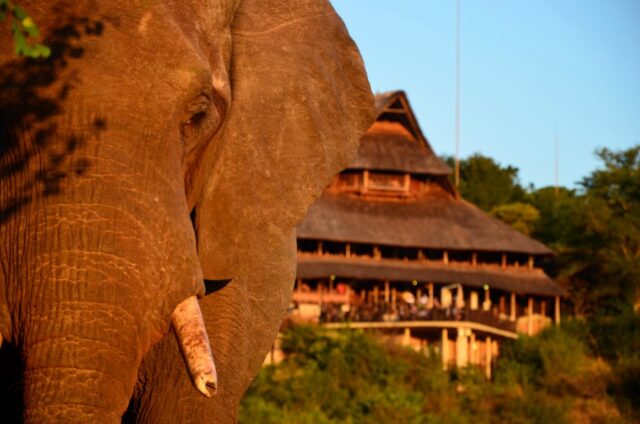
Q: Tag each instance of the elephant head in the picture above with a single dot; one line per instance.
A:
(162, 145)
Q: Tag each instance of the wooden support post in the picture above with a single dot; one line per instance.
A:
(376, 294)
(473, 301)
(406, 337)
(473, 349)
(488, 356)
(460, 297)
(462, 348)
(557, 310)
(365, 181)
(407, 183)
(387, 292)
(474, 259)
(486, 305)
(347, 250)
(543, 308)
(363, 295)
(431, 294)
(421, 254)
(503, 306)
(512, 304)
(444, 349)
(376, 252)
(331, 284)
(445, 257)
(503, 262)
(530, 316)
(530, 261)
(320, 248)
(445, 297)
(394, 299)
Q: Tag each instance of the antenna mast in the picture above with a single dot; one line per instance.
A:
(557, 165)
(457, 158)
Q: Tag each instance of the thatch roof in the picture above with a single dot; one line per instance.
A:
(395, 141)
(533, 282)
(437, 221)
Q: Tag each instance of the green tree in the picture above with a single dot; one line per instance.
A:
(521, 216)
(600, 260)
(486, 183)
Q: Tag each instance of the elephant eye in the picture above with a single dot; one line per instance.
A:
(202, 120)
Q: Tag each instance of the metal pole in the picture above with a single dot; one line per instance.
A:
(457, 159)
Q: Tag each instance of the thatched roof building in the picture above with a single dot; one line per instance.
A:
(392, 222)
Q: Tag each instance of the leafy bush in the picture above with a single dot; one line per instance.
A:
(352, 377)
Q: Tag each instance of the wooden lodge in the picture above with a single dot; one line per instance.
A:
(391, 246)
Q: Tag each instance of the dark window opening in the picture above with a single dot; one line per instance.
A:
(460, 256)
(334, 248)
(433, 255)
(489, 258)
(307, 246)
(358, 249)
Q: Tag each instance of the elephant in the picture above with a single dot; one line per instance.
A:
(165, 150)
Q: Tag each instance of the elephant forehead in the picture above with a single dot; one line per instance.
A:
(282, 14)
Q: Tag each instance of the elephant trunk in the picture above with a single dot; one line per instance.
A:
(82, 374)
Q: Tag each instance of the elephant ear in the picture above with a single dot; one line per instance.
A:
(300, 102)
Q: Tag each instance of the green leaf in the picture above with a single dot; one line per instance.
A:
(19, 13)
(42, 50)
(30, 27)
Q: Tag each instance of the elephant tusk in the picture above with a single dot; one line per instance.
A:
(192, 337)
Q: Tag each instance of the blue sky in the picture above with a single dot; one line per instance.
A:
(529, 69)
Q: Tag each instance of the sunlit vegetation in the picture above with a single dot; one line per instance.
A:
(350, 377)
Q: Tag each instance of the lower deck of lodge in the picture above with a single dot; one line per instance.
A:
(462, 323)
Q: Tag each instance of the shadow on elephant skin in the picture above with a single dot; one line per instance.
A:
(31, 95)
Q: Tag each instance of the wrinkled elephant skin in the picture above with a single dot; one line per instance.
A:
(162, 144)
